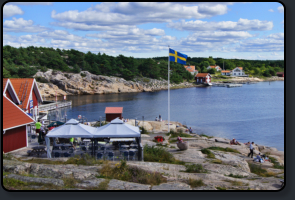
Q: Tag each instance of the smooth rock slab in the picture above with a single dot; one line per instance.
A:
(123, 185)
(172, 186)
(53, 181)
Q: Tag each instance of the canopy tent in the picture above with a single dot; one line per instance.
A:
(117, 129)
(70, 129)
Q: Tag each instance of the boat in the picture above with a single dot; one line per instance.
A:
(208, 84)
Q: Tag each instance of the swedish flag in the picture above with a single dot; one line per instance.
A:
(177, 57)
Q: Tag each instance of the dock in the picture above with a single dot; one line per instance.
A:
(234, 85)
(52, 105)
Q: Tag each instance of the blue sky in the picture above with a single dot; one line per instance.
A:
(219, 29)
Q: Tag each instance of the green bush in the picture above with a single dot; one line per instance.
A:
(132, 174)
(208, 152)
(195, 183)
(276, 164)
(256, 169)
(195, 168)
(159, 154)
(41, 79)
(176, 134)
(224, 149)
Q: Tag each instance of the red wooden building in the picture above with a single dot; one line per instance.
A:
(113, 112)
(9, 91)
(15, 122)
(203, 78)
(28, 94)
(280, 74)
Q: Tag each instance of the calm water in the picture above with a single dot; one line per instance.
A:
(252, 112)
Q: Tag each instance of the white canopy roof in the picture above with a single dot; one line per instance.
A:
(117, 129)
(72, 128)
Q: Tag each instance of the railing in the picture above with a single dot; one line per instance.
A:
(53, 106)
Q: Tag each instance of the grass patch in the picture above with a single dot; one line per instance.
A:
(13, 184)
(220, 188)
(132, 174)
(275, 162)
(77, 160)
(208, 152)
(256, 169)
(159, 154)
(70, 182)
(195, 183)
(176, 134)
(203, 135)
(7, 156)
(216, 161)
(103, 185)
(237, 176)
(195, 168)
(224, 149)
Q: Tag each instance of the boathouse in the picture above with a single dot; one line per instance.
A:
(203, 78)
(280, 74)
(28, 94)
(15, 122)
(113, 112)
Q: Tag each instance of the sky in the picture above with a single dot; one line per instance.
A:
(253, 31)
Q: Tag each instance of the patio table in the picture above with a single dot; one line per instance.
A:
(37, 150)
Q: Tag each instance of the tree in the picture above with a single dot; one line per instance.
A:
(6, 73)
(211, 71)
(76, 68)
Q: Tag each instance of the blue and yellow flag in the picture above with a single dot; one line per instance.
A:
(177, 57)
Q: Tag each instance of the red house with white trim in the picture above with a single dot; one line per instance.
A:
(15, 122)
(203, 78)
(28, 94)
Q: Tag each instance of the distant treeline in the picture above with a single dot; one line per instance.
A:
(25, 62)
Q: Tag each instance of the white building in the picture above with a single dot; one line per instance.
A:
(214, 67)
(238, 71)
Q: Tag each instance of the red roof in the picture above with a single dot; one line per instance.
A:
(225, 71)
(113, 110)
(18, 85)
(13, 116)
(241, 68)
(202, 74)
(192, 67)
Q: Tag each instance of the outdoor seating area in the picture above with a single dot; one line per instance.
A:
(114, 141)
(115, 152)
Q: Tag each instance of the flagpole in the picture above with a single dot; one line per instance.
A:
(168, 90)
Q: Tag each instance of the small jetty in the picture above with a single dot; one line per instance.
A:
(53, 105)
(234, 85)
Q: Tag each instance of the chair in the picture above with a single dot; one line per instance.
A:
(55, 148)
(56, 154)
(33, 137)
(99, 156)
(66, 154)
(111, 155)
(132, 155)
(63, 148)
(84, 148)
(126, 155)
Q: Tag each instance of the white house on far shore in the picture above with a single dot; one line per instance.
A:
(225, 72)
(238, 71)
(214, 67)
(191, 69)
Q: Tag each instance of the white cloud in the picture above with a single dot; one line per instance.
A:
(274, 54)
(241, 25)
(11, 10)
(134, 13)
(281, 9)
(271, 10)
(21, 25)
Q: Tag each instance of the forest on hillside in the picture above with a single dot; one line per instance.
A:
(25, 62)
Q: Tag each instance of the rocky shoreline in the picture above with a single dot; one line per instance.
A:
(229, 170)
(61, 83)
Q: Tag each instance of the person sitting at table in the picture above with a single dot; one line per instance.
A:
(72, 143)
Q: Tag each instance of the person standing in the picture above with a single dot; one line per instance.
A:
(251, 150)
(38, 126)
(190, 130)
(160, 118)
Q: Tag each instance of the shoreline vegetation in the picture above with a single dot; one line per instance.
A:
(210, 163)
(59, 83)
